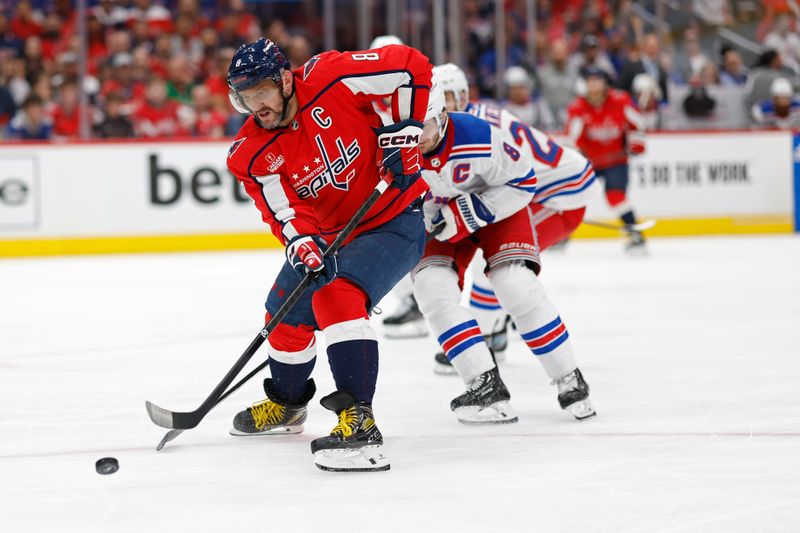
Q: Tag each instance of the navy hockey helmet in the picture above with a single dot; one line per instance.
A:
(253, 63)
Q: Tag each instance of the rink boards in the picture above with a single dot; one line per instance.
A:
(178, 195)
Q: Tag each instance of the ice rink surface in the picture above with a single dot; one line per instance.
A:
(692, 354)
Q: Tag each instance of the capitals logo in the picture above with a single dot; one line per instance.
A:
(332, 168)
(235, 146)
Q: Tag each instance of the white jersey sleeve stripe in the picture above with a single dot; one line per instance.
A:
(275, 197)
(384, 83)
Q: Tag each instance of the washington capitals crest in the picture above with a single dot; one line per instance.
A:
(309, 66)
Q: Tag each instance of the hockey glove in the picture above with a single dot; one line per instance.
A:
(635, 142)
(462, 216)
(305, 254)
(398, 152)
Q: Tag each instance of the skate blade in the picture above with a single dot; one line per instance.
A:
(409, 330)
(365, 459)
(636, 251)
(283, 430)
(444, 370)
(582, 410)
(497, 413)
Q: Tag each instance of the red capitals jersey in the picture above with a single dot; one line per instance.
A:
(601, 132)
(310, 177)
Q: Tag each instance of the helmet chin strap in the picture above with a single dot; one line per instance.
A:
(286, 100)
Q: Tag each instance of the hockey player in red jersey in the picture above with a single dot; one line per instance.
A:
(606, 125)
(307, 157)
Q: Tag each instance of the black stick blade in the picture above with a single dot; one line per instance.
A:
(168, 437)
(160, 417)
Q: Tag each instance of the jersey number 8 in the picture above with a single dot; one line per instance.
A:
(369, 56)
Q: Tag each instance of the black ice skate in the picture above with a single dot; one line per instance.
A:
(407, 321)
(355, 444)
(573, 394)
(273, 416)
(635, 244)
(497, 342)
(485, 401)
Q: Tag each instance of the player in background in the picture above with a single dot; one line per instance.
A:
(781, 111)
(606, 126)
(482, 182)
(307, 156)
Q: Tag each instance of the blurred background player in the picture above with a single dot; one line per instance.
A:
(307, 157)
(520, 100)
(606, 126)
(482, 181)
(781, 111)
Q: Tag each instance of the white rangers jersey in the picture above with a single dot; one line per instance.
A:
(476, 158)
(565, 178)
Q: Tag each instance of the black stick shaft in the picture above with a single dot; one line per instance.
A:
(189, 420)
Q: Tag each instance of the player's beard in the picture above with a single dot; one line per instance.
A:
(272, 124)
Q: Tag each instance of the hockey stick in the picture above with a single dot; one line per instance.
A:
(187, 420)
(171, 434)
(641, 226)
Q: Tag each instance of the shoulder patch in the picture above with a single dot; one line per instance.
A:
(470, 129)
(235, 146)
(309, 66)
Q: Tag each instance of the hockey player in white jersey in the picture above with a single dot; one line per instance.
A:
(566, 183)
(482, 182)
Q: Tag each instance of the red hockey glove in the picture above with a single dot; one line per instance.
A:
(305, 254)
(398, 152)
(462, 216)
(635, 142)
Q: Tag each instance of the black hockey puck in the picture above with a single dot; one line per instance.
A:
(106, 465)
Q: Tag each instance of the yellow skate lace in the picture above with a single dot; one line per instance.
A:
(266, 412)
(347, 421)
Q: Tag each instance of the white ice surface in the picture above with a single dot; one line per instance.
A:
(693, 356)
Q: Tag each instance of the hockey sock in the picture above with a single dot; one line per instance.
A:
(290, 380)
(353, 357)
(483, 302)
(619, 204)
(627, 218)
(438, 295)
(291, 368)
(522, 295)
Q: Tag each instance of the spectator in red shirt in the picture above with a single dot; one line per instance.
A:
(123, 83)
(208, 121)
(26, 22)
(66, 119)
(156, 116)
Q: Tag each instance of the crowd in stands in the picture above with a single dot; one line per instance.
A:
(156, 68)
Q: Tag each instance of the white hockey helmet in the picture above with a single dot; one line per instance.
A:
(781, 87)
(384, 40)
(517, 77)
(437, 106)
(452, 79)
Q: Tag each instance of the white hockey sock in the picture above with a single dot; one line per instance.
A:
(436, 290)
(522, 295)
(483, 303)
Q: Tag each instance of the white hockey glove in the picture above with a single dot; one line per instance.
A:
(462, 216)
